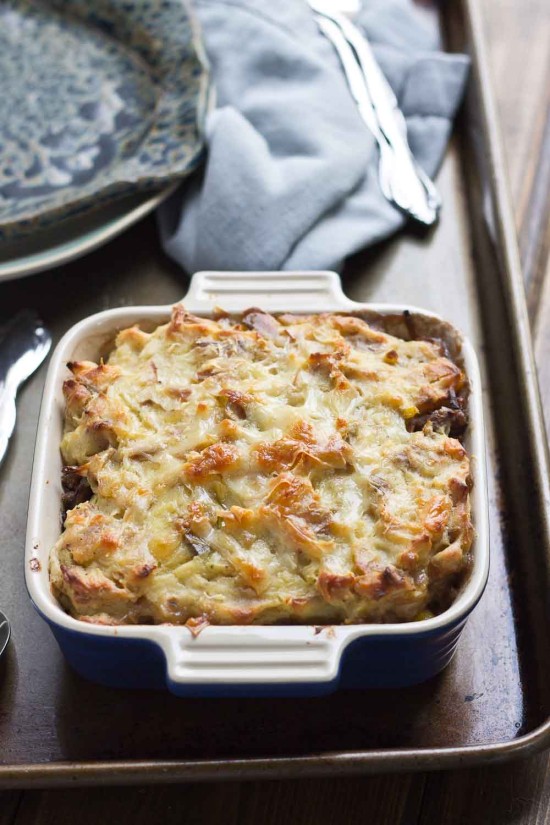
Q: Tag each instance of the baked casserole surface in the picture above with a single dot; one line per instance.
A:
(261, 469)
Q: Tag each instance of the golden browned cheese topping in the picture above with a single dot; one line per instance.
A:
(260, 470)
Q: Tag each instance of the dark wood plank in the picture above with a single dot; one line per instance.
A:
(516, 793)
(186, 804)
(9, 804)
(517, 36)
(381, 800)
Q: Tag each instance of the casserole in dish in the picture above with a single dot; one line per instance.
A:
(249, 659)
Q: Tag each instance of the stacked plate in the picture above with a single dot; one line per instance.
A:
(102, 108)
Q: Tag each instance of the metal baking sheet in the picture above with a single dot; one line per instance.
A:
(492, 703)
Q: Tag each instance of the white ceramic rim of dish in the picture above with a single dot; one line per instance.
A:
(238, 654)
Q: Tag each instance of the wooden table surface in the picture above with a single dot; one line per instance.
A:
(518, 34)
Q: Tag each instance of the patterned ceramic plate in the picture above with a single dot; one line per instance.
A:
(98, 99)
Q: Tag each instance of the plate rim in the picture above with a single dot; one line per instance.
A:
(75, 247)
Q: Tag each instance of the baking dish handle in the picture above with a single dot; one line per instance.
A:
(273, 291)
(245, 656)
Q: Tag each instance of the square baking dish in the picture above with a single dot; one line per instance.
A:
(247, 660)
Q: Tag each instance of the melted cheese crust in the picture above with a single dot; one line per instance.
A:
(263, 470)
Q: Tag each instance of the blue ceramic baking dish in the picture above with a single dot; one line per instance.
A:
(281, 660)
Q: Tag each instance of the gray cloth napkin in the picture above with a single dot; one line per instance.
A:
(290, 179)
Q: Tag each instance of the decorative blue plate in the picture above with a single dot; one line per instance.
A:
(98, 99)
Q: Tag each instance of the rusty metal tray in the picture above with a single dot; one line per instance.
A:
(492, 703)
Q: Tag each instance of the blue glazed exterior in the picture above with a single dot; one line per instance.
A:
(367, 662)
(398, 661)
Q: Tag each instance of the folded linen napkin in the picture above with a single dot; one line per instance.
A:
(290, 179)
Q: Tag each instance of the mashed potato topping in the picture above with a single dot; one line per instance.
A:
(261, 469)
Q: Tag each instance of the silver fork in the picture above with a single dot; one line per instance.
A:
(402, 181)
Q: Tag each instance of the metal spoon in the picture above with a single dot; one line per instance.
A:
(23, 346)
